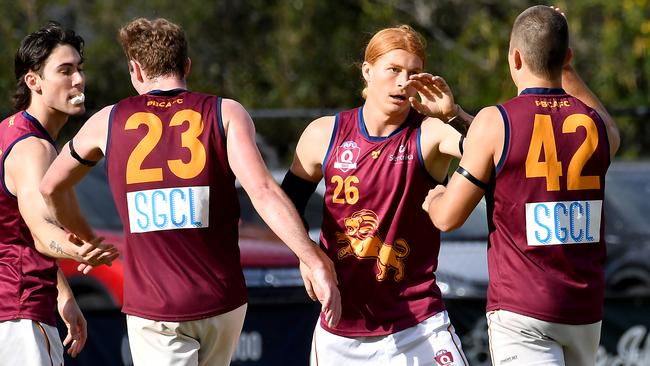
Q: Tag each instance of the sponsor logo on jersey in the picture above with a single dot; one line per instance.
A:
(347, 156)
(11, 120)
(164, 104)
(563, 222)
(375, 154)
(553, 103)
(168, 209)
(444, 358)
(401, 156)
(361, 240)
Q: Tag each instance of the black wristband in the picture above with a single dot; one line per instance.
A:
(79, 158)
(471, 178)
(299, 191)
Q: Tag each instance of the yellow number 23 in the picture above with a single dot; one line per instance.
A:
(135, 173)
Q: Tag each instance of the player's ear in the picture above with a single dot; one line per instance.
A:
(136, 69)
(365, 71)
(568, 57)
(516, 59)
(33, 81)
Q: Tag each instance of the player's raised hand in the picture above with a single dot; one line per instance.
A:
(436, 99)
(323, 281)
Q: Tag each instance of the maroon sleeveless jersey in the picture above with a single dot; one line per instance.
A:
(27, 278)
(547, 244)
(383, 244)
(169, 174)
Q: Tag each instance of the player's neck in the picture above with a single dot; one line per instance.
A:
(381, 123)
(533, 81)
(51, 119)
(164, 83)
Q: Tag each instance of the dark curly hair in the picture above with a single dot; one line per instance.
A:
(32, 53)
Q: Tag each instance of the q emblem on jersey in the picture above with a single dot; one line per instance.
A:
(564, 222)
(346, 156)
(168, 209)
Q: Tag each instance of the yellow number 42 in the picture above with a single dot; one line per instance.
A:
(550, 168)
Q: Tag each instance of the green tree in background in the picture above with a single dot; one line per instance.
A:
(307, 53)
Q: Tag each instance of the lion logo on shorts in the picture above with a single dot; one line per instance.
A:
(360, 240)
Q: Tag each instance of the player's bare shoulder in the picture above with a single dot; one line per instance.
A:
(30, 148)
(94, 133)
(233, 111)
(487, 124)
(487, 131)
(316, 138)
(434, 133)
(27, 155)
(433, 127)
(312, 147)
(319, 129)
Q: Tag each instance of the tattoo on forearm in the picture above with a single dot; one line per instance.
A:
(57, 248)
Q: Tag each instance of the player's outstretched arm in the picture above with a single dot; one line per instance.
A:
(275, 207)
(58, 181)
(449, 207)
(26, 165)
(304, 174)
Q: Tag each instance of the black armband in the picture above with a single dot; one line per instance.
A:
(79, 158)
(299, 190)
(471, 178)
(460, 144)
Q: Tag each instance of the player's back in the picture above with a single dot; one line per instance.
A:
(545, 209)
(169, 175)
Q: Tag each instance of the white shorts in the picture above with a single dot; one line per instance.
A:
(29, 343)
(210, 341)
(432, 342)
(517, 339)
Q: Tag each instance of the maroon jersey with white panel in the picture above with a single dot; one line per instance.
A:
(547, 245)
(168, 171)
(27, 278)
(383, 244)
